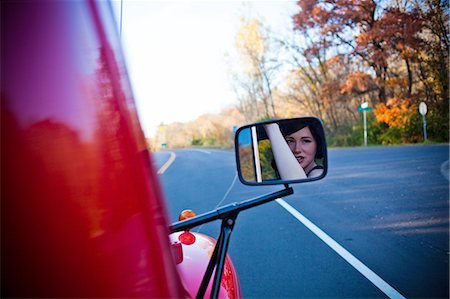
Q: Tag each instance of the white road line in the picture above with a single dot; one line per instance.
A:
(204, 151)
(199, 150)
(167, 164)
(357, 264)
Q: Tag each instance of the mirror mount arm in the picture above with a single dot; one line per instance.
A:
(250, 203)
(228, 215)
(229, 211)
(217, 260)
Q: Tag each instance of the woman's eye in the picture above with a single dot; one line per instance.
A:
(289, 141)
(306, 141)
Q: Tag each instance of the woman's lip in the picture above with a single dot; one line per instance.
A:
(299, 159)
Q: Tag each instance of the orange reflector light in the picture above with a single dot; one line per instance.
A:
(186, 238)
(186, 214)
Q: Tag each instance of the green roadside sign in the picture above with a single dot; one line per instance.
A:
(364, 109)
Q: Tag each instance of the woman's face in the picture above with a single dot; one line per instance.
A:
(304, 147)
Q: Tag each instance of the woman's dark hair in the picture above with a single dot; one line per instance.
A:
(290, 127)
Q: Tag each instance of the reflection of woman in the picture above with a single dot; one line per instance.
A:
(303, 148)
(289, 168)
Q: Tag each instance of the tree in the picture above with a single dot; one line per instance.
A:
(316, 81)
(254, 83)
(434, 74)
(403, 45)
(208, 130)
(367, 31)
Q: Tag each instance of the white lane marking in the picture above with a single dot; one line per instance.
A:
(205, 151)
(352, 260)
(199, 150)
(168, 163)
(444, 169)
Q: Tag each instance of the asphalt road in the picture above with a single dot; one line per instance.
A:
(387, 207)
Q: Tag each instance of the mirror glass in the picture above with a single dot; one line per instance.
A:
(282, 151)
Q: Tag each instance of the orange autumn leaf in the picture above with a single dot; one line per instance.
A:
(396, 113)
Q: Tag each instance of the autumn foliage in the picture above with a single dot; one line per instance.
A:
(396, 113)
(341, 53)
(393, 51)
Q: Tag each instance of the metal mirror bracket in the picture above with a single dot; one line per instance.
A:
(228, 215)
(217, 260)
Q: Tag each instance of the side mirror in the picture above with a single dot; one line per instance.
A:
(282, 151)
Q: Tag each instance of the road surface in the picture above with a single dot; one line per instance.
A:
(377, 226)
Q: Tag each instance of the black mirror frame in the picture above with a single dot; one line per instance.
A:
(282, 182)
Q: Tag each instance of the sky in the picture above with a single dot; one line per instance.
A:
(176, 53)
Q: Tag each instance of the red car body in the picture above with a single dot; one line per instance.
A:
(194, 251)
(82, 212)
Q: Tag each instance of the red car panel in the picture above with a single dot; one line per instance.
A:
(81, 209)
(194, 252)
